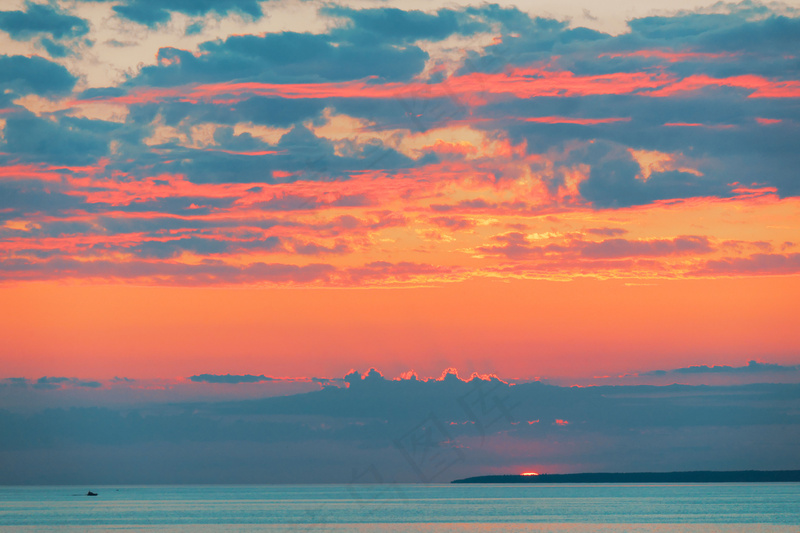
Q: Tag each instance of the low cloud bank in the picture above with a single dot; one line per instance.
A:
(413, 430)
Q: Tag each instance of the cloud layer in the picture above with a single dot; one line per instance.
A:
(372, 429)
(399, 147)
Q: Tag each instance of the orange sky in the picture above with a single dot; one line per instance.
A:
(485, 188)
(516, 329)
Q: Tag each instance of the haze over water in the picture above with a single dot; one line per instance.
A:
(395, 508)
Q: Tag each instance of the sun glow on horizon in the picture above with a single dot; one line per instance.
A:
(530, 473)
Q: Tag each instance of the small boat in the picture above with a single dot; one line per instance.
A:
(90, 493)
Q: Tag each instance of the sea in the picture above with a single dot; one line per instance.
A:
(429, 508)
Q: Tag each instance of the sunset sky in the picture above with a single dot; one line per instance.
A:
(244, 198)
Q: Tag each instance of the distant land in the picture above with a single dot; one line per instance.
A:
(737, 476)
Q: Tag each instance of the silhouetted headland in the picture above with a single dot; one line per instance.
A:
(738, 476)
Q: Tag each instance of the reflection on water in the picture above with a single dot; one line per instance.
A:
(720, 508)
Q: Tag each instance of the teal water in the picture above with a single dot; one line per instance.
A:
(397, 508)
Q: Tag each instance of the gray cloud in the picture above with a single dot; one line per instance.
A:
(208, 272)
(373, 420)
(283, 58)
(15, 382)
(516, 245)
(752, 367)
(613, 180)
(370, 26)
(760, 263)
(743, 152)
(40, 18)
(613, 248)
(51, 383)
(154, 12)
(25, 75)
(71, 141)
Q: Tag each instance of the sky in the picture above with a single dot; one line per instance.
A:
(241, 224)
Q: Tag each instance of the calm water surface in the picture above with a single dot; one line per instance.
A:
(663, 508)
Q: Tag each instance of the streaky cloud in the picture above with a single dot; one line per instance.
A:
(51, 383)
(752, 367)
